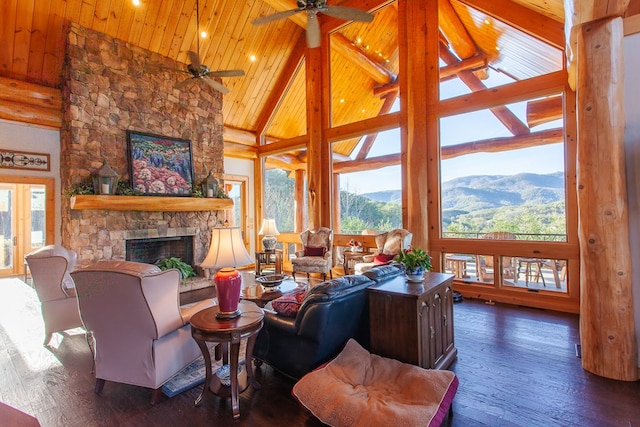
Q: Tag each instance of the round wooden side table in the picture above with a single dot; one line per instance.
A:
(206, 327)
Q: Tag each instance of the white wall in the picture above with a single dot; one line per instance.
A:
(35, 139)
(632, 149)
(233, 166)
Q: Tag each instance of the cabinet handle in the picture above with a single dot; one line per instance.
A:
(422, 306)
(444, 319)
(433, 332)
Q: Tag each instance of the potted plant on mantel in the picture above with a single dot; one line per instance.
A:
(416, 261)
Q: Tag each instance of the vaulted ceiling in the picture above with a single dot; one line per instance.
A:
(526, 41)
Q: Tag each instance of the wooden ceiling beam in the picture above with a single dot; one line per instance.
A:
(240, 151)
(299, 19)
(30, 103)
(346, 48)
(529, 21)
(492, 145)
(239, 136)
(389, 100)
(282, 85)
(502, 113)
(548, 84)
(474, 63)
(283, 146)
(544, 110)
(454, 31)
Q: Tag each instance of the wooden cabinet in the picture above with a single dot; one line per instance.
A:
(412, 322)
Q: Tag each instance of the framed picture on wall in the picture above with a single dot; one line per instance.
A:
(159, 165)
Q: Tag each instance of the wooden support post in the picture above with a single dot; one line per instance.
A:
(319, 163)
(419, 93)
(607, 325)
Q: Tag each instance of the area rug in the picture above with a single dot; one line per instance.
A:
(194, 374)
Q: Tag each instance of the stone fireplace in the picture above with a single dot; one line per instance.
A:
(148, 246)
(110, 87)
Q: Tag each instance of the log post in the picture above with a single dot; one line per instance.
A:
(607, 325)
(419, 93)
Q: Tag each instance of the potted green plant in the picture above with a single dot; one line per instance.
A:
(185, 269)
(416, 261)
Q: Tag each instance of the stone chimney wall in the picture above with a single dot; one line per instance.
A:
(110, 87)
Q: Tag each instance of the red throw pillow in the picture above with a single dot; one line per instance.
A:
(382, 259)
(288, 304)
(314, 251)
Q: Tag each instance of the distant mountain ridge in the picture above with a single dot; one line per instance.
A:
(472, 193)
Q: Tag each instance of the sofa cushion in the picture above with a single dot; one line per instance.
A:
(289, 304)
(314, 251)
(337, 287)
(382, 258)
(384, 272)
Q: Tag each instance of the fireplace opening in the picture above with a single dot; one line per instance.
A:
(151, 251)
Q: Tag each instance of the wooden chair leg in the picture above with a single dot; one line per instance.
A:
(156, 395)
(99, 385)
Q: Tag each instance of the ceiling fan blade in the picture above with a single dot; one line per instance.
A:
(226, 73)
(313, 30)
(275, 16)
(347, 13)
(195, 59)
(217, 86)
(183, 83)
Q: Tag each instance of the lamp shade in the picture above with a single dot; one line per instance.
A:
(227, 251)
(268, 228)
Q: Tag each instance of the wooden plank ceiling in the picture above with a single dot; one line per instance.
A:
(364, 57)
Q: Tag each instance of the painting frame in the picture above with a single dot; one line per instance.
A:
(160, 165)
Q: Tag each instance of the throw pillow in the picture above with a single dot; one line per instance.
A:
(288, 304)
(382, 259)
(314, 251)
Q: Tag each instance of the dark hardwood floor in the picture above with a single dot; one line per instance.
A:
(516, 366)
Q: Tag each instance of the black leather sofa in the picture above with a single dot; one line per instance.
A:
(330, 314)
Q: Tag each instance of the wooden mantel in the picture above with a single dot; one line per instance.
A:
(149, 203)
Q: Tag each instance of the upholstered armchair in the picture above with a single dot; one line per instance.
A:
(316, 254)
(388, 245)
(50, 267)
(140, 334)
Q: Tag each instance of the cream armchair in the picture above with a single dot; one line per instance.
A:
(50, 266)
(316, 254)
(388, 245)
(141, 335)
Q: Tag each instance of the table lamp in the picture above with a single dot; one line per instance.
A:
(227, 251)
(269, 231)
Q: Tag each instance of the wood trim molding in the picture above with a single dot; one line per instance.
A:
(631, 25)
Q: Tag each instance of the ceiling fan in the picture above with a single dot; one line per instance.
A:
(199, 71)
(312, 7)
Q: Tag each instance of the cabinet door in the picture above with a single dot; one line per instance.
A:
(425, 334)
(437, 330)
(447, 320)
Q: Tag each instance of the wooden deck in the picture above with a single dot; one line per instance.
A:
(517, 367)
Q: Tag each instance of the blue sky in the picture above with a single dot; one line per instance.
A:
(463, 128)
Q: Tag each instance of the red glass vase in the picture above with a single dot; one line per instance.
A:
(228, 285)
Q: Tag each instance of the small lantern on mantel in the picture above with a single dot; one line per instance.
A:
(105, 181)
(210, 186)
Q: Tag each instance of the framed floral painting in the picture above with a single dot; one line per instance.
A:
(159, 165)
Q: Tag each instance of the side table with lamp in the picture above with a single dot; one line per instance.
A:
(227, 323)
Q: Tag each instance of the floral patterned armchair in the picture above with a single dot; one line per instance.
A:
(316, 254)
(389, 245)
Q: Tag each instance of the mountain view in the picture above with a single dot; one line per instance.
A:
(530, 205)
(523, 203)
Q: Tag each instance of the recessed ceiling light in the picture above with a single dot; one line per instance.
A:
(252, 58)
(363, 110)
(342, 101)
(487, 21)
(136, 3)
(498, 48)
(203, 34)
